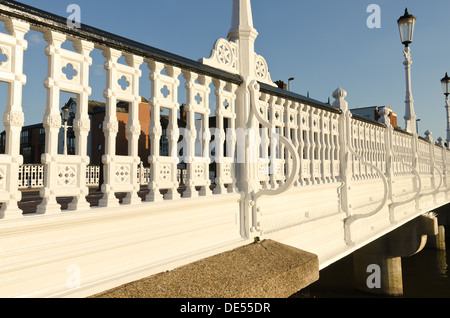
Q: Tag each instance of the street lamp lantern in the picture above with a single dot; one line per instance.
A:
(406, 27)
(445, 81)
(65, 113)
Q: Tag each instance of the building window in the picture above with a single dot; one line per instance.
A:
(164, 144)
(71, 145)
(42, 135)
(3, 143)
(26, 153)
(24, 137)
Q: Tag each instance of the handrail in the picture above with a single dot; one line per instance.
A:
(264, 88)
(42, 19)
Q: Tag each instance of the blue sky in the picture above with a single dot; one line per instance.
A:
(324, 44)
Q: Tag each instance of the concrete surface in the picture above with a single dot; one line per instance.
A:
(265, 269)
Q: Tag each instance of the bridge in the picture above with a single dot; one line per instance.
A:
(287, 168)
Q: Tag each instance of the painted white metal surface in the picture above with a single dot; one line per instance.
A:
(308, 175)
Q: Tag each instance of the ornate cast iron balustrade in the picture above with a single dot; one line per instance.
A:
(300, 142)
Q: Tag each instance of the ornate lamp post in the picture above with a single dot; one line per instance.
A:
(445, 81)
(406, 27)
(65, 117)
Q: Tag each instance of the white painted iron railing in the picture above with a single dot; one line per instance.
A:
(278, 141)
(31, 176)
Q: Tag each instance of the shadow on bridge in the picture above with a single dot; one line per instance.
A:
(31, 199)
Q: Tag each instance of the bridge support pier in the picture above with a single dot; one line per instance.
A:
(377, 266)
(437, 242)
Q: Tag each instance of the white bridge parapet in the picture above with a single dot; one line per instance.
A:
(289, 168)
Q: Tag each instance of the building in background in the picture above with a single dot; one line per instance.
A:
(32, 139)
(372, 112)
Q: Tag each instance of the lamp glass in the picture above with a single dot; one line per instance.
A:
(406, 25)
(446, 84)
(65, 113)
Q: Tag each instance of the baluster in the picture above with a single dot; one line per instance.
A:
(133, 128)
(313, 145)
(327, 147)
(285, 132)
(13, 117)
(321, 146)
(354, 141)
(155, 131)
(52, 123)
(121, 171)
(264, 143)
(173, 131)
(332, 148)
(110, 128)
(307, 167)
(81, 123)
(293, 124)
(197, 102)
(162, 166)
(272, 142)
(66, 175)
(224, 165)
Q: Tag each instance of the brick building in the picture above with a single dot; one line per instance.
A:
(32, 141)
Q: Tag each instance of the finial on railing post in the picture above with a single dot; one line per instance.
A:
(440, 142)
(384, 116)
(428, 136)
(339, 95)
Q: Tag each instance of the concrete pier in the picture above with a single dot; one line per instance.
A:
(378, 267)
(265, 269)
(437, 242)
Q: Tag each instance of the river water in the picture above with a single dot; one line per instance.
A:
(425, 275)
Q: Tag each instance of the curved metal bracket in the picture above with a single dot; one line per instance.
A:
(436, 189)
(254, 89)
(353, 218)
(419, 179)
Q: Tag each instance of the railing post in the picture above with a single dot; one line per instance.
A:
(66, 175)
(13, 117)
(163, 169)
(388, 140)
(197, 96)
(225, 108)
(133, 127)
(82, 124)
(52, 123)
(344, 153)
(429, 137)
(443, 150)
(110, 128)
